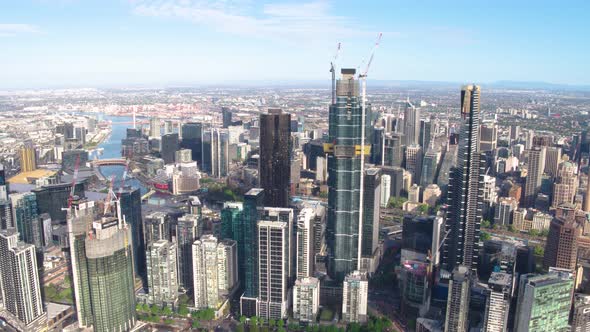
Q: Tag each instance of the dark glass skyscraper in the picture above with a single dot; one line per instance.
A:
(53, 198)
(192, 138)
(465, 189)
(252, 200)
(344, 169)
(130, 199)
(275, 166)
(226, 116)
(169, 146)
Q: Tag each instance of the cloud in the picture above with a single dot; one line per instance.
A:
(13, 29)
(305, 20)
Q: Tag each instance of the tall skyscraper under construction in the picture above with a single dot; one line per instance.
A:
(465, 189)
(344, 168)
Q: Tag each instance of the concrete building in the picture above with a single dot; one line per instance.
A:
(28, 159)
(561, 248)
(162, 273)
(157, 227)
(19, 279)
(155, 131)
(581, 314)
(488, 136)
(385, 190)
(355, 297)
(498, 302)
(535, 168)
(458, 300)
(189, 228)
(431, 195)
(504, 211)
(215, 271)
(552, 160)
(306, 299)
(305, 243)
(411, 124)
(414, 161)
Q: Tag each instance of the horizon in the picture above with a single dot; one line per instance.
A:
(71, 43)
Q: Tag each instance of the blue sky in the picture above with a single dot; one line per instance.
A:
(72, 43)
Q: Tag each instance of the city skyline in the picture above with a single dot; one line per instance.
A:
(176, 42)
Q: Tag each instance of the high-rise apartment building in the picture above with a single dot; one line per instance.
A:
(162, 273)
(458, 300)
(157, 227)
(536, 165)
(275, 163)
(565, 186)
(274, 261)
(355, 297)
(414, 161)
(465, 189)
(306, 299)
(189, 228)
(305, 243)
(393, 149)
(429, 167)
(215, 271)
(155, 128)
(544, 302)
(344, 168)
(19, 279)
(498, 302)
(411, 124)
(170, 144)
(26, 219)
(371, 215)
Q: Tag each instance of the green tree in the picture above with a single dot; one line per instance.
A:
(139, 307)
(534, 232)
(396, 202)
(240, 327)
(539, 251)
(183, 310)
(280, 323)
(253, 321)
(155, 310)
(485, 236)
(511, 229)
(243, 319)
(281, 329)
(423, 208)
(272, 322)
(168, 321)
(166, 311)
(195, 324)
(485, 224)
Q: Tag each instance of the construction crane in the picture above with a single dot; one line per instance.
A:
(363, 79)
(109, 198)
(333, 71)
(123, 180)
(74, 179)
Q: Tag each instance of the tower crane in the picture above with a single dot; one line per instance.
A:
(123, 180)
(333, 71)
(363, 79)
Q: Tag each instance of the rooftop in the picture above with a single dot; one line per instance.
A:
(27, 177)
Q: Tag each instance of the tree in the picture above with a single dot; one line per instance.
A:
(243, 319)
(534, 232)
(166, 311)
(195, 324)
(423, 208)
(183, 310)
(539, 251)
(511, 229)
(272, 322)
(155, 310)
(485, 224)
(485, 236)
(280, 323)
(168, 321)
(139, 307)
(396, 202)
(253, 321)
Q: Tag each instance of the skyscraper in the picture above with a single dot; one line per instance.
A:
(414, 161)
(253, 199)
(504, 210)
(102, 268)
(26, 219)
(465, 189)
(458, 300)
(275, 167)
(305, 243)
(170, 145)
(394, 149)
(192, 138)
(162, 273)
(19, 279)
(214, 274)
(581, 314)
(552, 160)
(226, 115)
(536, 165)
(544, 302)
(28, 158)
(498, 302)
(411, 124)
(273, 258)
(215, 160)
(157, 227)
(429, 167)
(385, 190)
(130, 199)
(189, 228)
(354, 297)
(53, 199)
(155, 128)
(561, 248)
(344, 168)
(371, 214)
(488, 136)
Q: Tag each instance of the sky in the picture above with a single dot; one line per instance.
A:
(118, 43)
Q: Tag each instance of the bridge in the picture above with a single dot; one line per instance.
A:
(109, 162)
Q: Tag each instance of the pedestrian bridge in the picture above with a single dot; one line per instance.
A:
(109, 162)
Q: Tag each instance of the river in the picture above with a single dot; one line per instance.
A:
(112, 149)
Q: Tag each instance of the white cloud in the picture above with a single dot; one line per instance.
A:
(306, 20)
(13, 29)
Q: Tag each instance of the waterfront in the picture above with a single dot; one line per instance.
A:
(112, 149)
